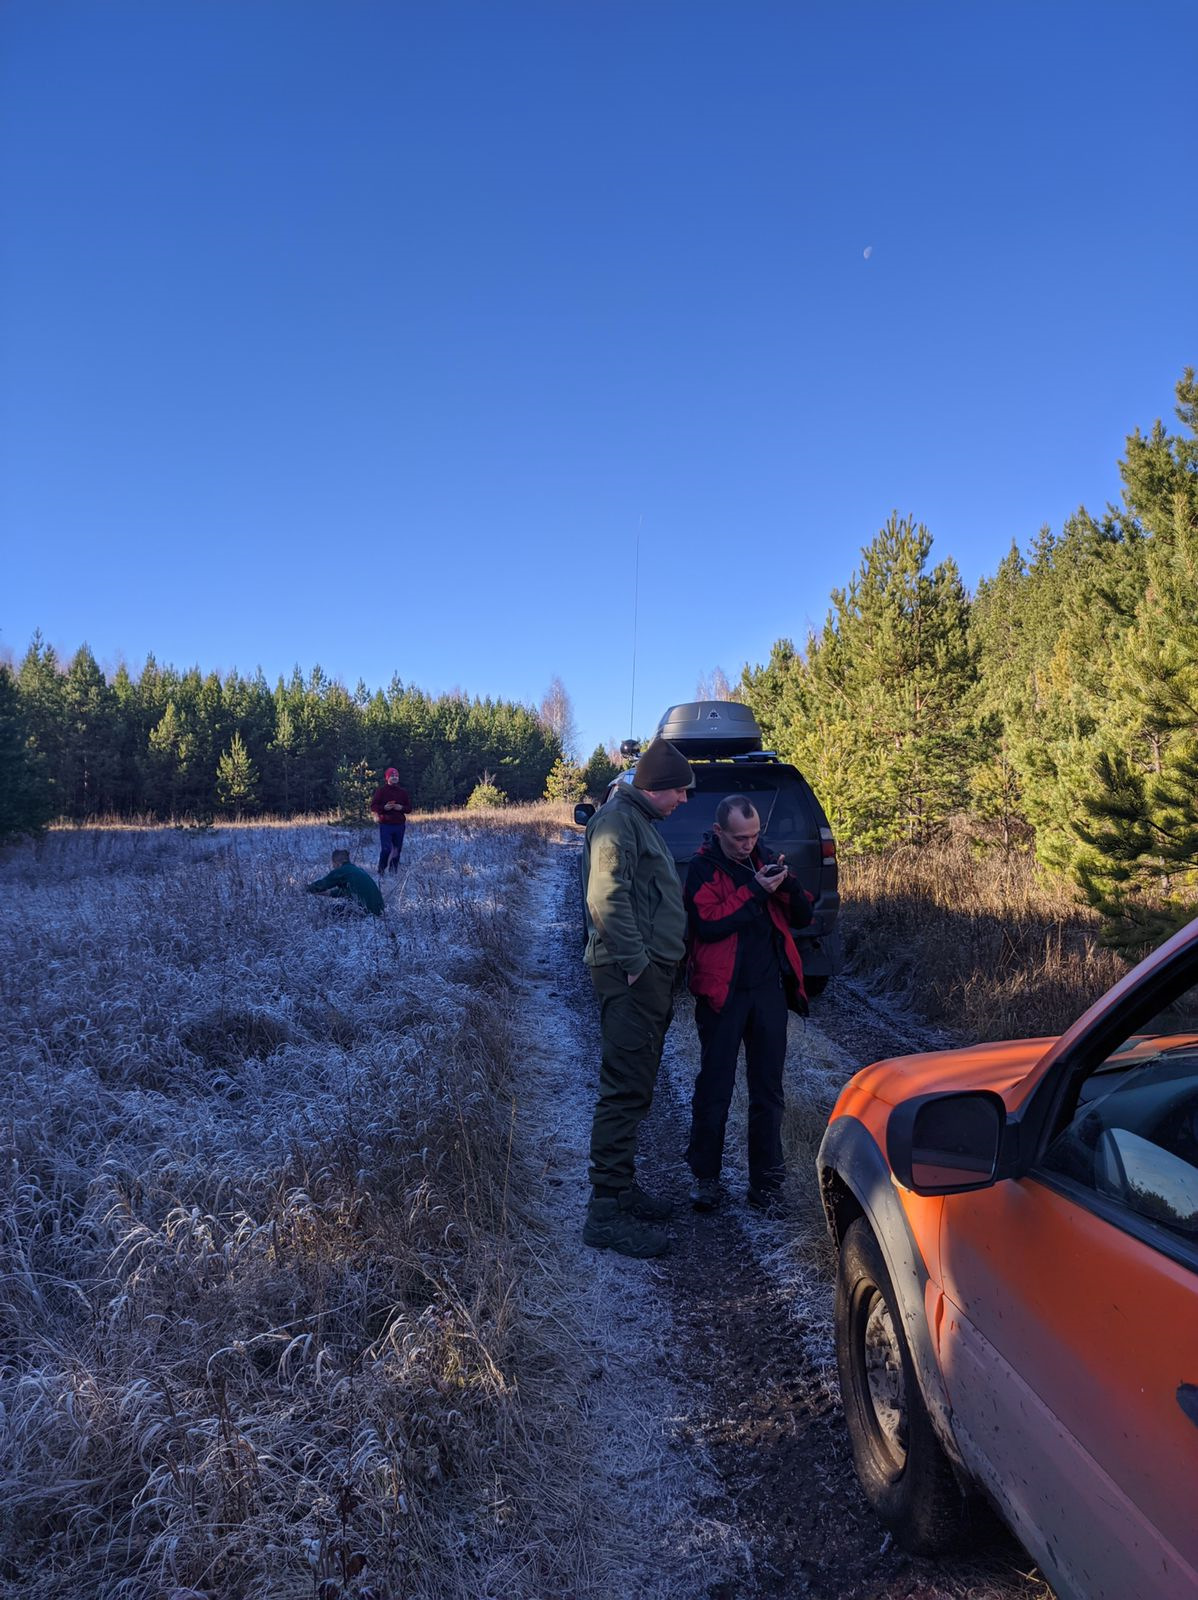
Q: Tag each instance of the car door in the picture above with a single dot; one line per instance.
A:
(1069, 1331)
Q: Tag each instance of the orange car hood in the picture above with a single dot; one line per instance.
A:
(1003, 1067)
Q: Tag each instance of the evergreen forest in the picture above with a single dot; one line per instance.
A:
(1055, 709)
(165, 744)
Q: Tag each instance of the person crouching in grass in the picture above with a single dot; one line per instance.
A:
(347, 882)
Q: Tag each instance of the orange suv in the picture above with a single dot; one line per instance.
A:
(1017, 1292)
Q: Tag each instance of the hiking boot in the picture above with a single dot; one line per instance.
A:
(609, 1227)
(768, 1200)
(646, 1207)
(706, 1194)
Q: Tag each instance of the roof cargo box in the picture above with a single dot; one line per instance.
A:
(711, 729)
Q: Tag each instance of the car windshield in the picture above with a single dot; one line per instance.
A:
(1140, 1050)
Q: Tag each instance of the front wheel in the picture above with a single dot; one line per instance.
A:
(905, 1473)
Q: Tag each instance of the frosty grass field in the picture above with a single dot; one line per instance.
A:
(267, 1323)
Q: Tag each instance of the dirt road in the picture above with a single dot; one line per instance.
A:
(717, 1445)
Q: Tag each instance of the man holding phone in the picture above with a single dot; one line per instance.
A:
(745, 972)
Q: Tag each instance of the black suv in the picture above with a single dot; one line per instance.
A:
(722, 742)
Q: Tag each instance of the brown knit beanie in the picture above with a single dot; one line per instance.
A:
(662, 767)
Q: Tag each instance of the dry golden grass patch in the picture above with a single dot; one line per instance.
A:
(981, 941)
(522, 814)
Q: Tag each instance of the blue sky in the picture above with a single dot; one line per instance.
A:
(371, 334)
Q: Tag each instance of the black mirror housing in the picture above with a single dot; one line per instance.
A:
(583, 813)
(947, 1143)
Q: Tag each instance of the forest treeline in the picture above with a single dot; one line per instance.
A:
(166, 744)
(1056, 708)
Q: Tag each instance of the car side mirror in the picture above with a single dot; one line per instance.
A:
(946, 1143)
(583, 813)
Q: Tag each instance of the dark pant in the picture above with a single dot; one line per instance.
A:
(758, 1016)
(390, 838)
(633, 1019)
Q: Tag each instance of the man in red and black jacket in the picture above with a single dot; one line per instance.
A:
(745, 972)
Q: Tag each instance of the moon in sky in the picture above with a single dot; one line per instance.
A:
(868, 251)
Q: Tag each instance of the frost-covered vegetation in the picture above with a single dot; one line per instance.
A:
(266, 1327)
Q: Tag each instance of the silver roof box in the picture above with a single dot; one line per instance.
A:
(711, 729)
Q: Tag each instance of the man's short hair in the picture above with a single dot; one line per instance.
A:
(340, 857)
(730, 803)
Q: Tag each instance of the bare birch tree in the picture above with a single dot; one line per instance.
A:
(714, 686)
(557, 714)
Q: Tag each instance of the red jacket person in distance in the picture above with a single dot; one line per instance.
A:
(745, 972)
(390, 804)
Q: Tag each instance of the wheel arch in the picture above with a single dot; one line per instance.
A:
(855, 1181)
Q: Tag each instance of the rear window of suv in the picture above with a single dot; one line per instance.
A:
(782, 807)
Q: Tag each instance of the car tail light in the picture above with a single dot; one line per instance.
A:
(827, 845)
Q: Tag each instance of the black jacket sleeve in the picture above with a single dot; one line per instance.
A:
(701, 914)
(798, 902)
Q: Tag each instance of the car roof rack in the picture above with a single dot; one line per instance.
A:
(742, 758)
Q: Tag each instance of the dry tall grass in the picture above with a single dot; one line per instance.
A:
(979, 941)
(518, 813)
(267, 1326)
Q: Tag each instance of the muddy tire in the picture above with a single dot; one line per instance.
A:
(906, 1475)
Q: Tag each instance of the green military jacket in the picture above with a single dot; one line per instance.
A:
(350, 883)
(630, 884)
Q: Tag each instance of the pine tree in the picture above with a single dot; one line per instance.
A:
(354, 785)
(41, 685)
(436, 783)
(236, 779)
(1139, 809)
(170, 757)
(286, 749)
(1158, 469)
(26, 803)
(1045, 631)
(126, 757)
(995, 791)
(598, 772)
(565, 781)
(877, 711)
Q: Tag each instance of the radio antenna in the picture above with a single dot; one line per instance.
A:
(636, 594)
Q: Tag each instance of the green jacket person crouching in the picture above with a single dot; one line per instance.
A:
(347, 882)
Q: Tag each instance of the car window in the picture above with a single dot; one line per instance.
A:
(1132, 1136)
(786, 818)
(690, 822)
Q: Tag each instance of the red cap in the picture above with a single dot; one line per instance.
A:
(392, 772)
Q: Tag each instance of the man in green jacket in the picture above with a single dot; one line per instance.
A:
(347, 882)
(636, 933)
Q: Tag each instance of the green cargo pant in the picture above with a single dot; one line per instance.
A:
(633, 1019)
